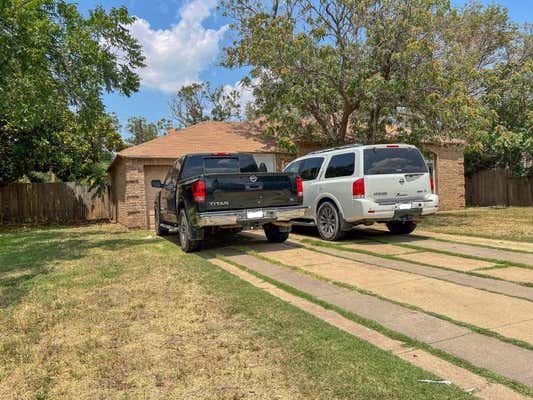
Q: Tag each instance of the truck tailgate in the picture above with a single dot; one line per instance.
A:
(240, 191)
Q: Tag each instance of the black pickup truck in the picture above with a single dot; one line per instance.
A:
(206, 192)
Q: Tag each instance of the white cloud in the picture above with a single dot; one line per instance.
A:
(245, 92)
(177, 56)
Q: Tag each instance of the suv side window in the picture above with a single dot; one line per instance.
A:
(293, 168)
(341, 165)
(311, 168)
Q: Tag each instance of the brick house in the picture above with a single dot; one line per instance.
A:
(133, 168)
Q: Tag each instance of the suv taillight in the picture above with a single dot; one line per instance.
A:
(198, 191)
(432, 184)
(358, 188)
(299, 187)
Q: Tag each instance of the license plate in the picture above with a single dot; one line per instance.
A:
(405, 206)
(254, 214)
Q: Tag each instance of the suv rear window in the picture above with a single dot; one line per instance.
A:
(341, 165)
(401, 160)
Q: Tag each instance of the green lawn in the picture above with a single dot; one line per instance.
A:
(512, 223)
(100, 312)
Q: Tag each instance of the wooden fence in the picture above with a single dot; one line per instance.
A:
(51, 203)
(497, 188)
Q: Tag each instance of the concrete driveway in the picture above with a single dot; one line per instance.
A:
(469, 298)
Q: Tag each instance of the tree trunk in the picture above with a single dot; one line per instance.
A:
(373, 125)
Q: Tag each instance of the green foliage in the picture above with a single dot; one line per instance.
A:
(142, 131)
(199, 102)
(507, 142)
(349, 70)
(54, 66)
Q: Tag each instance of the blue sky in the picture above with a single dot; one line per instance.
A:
(183, 41)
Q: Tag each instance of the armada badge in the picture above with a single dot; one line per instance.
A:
(253, 178)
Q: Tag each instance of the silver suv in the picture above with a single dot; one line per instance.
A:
(352, 185)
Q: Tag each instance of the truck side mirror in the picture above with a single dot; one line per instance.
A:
(156, 183)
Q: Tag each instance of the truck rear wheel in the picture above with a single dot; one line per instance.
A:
(187, 244)
(274, 234)
(401, 227)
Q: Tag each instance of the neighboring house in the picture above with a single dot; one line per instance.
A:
(134, 168)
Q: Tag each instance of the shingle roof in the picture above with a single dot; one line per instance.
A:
(206, 137)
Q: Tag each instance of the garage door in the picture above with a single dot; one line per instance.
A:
(269, 160)
(152, 172)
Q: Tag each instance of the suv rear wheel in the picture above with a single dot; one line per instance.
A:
(328, 221)
(184, 229)
(274, 234)
(401, 227)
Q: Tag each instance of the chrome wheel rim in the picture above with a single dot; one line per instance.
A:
(327, 221)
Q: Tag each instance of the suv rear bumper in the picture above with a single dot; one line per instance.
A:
(240, 217)
(368, 210)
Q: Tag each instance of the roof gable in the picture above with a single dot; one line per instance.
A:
(206, 137)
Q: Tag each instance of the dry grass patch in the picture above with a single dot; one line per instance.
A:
(116, 324)
(512, 223)
(102, 313)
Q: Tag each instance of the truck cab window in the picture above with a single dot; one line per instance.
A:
(192, 166)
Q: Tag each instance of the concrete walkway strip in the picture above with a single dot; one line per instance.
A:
(500, 357)
(468, 381)
(493, 285)
(515, 274)
(446, 261)
(460, 303)
(464, 249)
(503, 244)
(380, 248)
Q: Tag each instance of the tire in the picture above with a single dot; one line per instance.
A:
(273, 233)
(401, 227)
(328, 222)
(159, 230)
(184, 229)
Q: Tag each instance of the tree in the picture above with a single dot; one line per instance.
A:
(54, 66)
(507, 95)
(142, 131)
(345, 69)
(199, 102)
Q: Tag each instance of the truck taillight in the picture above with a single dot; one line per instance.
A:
(432, 184)
(198, 191)
(358, 188)
(299, 187)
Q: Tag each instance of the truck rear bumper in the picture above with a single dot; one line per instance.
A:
(249, 216)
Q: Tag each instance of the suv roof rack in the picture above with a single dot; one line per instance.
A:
(346, 146)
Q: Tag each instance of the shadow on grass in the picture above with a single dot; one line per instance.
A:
(26, 255)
